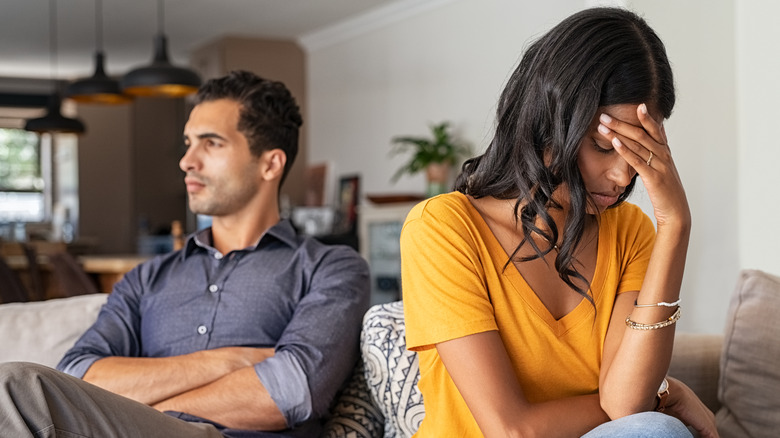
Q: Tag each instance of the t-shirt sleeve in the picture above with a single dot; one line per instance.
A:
(636, 237)
(444, 287)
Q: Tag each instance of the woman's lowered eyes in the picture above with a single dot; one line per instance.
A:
(602, 149)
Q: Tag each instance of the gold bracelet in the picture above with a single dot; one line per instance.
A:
(665, 323)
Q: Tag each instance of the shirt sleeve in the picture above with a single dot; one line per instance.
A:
(636, 238)
(319, 347)
(444, 283)
(116, 331)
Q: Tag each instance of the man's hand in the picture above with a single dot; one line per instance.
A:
(238, 400)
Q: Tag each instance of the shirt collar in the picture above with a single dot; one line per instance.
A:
(283, 231)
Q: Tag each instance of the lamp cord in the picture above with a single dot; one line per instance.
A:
(99, 25)
(53, 38)
(160, 16)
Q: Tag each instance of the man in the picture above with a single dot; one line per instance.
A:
(248, 328)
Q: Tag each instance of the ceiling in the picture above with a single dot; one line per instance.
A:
(130, 25)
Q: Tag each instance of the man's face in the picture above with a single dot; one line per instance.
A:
(222, 176)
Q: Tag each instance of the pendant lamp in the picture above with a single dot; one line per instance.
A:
(54, 121)
(160, 78)
(99, 88)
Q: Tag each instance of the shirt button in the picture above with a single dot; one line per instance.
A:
(213, 288)
(202, 330)
(218, 255)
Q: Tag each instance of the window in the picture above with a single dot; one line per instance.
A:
(21, 182)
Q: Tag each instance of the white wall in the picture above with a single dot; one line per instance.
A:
(699, 38)
(758, 83)
(450, 60)
(444, 63)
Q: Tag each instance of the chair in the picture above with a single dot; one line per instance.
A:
(11, 288)
(71, 276)
(36, 292)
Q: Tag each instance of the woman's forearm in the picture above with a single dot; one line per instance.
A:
(636, 361)
(481, 370)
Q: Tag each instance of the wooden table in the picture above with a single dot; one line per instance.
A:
(110, 268)
(107, 269)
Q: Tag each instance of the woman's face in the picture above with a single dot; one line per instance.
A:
(604, 172)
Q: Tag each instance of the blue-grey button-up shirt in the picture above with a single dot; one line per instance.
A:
(292, 293)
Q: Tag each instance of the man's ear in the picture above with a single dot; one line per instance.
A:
(273, 162)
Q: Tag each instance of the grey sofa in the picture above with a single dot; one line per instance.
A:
(736, 374)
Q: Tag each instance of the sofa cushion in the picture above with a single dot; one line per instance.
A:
(42, 331)
(696, 362)
(749, 366)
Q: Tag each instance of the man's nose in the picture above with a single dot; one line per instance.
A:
(189, 160)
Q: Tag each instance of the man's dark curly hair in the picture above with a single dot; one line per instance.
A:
(269, 118)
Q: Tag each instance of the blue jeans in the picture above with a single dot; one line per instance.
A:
(641, 425)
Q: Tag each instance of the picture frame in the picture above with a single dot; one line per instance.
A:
(314, 182)
(347, 204)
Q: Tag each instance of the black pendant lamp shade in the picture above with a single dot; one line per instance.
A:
(160, 78)
(98, 88)
(54, 121)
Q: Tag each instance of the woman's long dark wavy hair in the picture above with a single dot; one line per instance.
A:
(596, 57)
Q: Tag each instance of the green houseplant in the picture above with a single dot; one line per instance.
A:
(435, 156)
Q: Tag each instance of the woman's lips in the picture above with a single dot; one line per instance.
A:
(604, 199)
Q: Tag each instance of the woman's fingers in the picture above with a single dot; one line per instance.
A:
(630, 151)
(644, 140)
(655, 129)
(636, 154)
(687, 407)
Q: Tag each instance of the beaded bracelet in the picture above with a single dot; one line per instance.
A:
(661, 304)
(665, 323)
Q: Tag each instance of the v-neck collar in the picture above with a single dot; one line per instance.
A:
(583, 312)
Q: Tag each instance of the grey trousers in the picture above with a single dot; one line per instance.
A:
(37, 401)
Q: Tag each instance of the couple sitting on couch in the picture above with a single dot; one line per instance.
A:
(250, 329)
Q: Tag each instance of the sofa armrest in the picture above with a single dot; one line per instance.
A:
(42, 331)
(696, 362)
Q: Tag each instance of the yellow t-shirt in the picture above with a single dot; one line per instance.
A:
(455, 284)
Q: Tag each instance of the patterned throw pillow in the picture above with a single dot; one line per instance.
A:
(354, 414)
(381, 398)
(392, 372)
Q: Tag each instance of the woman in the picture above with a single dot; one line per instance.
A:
(540, 302)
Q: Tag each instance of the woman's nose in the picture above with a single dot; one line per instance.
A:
(621, 172)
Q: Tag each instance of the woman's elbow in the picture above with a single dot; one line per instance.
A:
(622, 405)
